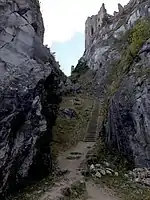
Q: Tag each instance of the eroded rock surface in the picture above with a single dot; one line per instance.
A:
(128, 127)
(29, 95)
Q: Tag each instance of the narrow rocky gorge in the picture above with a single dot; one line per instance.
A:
(105, 106)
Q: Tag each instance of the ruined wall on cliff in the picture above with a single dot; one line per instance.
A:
(118, 56)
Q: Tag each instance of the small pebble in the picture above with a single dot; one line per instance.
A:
(98, 175)
(137, 180)
(108, 172)
(40, 191)
(111, 170)
(92, 167)
(98, 165)
(116, 174)
(106, 164)
(103, 172)
(126, 175)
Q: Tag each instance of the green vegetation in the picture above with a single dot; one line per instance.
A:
(80, 69)
(69, 131)
(117, 161)
(35, 190)
(136, 38)
(139, 34)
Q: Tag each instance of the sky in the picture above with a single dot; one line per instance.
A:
(64, 22)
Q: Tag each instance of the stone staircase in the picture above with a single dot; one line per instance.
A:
(91, 135)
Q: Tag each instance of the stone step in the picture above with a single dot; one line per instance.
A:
(90, 140)
(92, 128)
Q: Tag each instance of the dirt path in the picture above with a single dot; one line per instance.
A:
(71, 161)
(99, 193)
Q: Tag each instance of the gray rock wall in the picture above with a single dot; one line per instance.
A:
(29, 95)
(105, 38)
(127, 126)
(128, 121)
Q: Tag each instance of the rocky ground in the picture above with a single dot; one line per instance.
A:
(108, 168)
(71, 184)
(88, 171)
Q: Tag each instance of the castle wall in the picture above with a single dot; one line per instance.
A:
(101, 15)
(94, 23)
(90, 29)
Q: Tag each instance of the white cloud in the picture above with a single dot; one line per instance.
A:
(62, 18)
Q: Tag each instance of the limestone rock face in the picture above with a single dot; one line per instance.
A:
(29, 95)
(127, 123)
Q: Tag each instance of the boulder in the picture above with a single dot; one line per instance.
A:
(98, 175)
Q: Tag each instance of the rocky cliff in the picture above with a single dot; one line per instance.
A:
(29, 95)
(118, 55)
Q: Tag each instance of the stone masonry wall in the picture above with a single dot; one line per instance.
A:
(95, 23)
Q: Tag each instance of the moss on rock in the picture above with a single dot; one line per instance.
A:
(138, 35)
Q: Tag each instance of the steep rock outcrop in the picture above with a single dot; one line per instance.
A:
(29, 95)
(129, 106)
(128, 122)
(119, 57)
